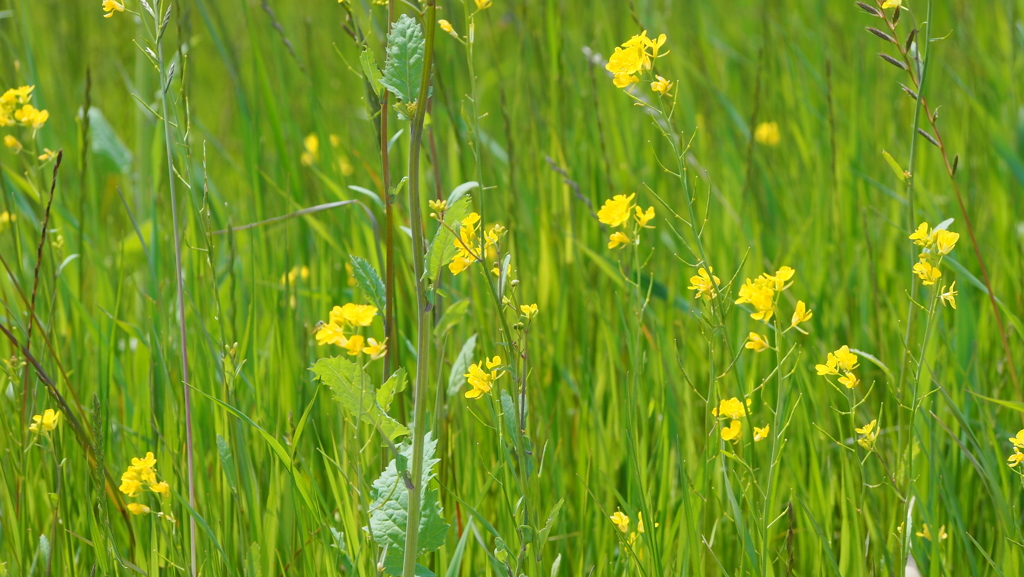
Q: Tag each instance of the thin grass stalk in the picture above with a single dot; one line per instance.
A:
(165, 85)
(391, 359)
(423, 341)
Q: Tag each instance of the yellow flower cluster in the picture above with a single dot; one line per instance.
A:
(761, 293)
(704, 283)
(841, 362)
(140, 475)
(351, 315)
(467, 245)
(481, 380)
(15, 108)
(46, 422)
(868, 435)
(311, 153)
(767, 133)
(935, 245)
(734, 410)
(297, 272)
(636, 54)
(616, 212)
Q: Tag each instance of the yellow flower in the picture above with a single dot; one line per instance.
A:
(161, 488)
(945, 241)
(446, 26)
(730, 408)
(891, 4)
(374, 349)
(949, 296)
(330, 334)
(111, 6)
(704, 283)
(130, 483)
(760, 293)
(756, 343)
(615, 211)
(802, 314)
(624, 80)
(781, 276)
(481, 380)
(13, 143)
(311, 154)
(46, 422)
(138, 508)
(922, 236)
(617, 239)
(1015, 459)
(7, 218)
(767, 133)
(483, 4)
(529, 311)
(869, 435)
(732, 432)
(626, 62)
(467, 244)
(621, 521)
(660, 85)
(1018, 441)
(849, 380)
(829, 368)
(927, 534)
(354, 345)
(353, 315)
(845, 359)
(927, 273)
(47, 155)
(29, 116)
(761, 433)
(642, 218)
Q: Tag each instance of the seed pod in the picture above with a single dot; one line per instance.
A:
(956, 161)
(928, 137)
(896, 17)
(881, 35)
(910, 40)
(908, 91)
(892, 61)
(869, 9)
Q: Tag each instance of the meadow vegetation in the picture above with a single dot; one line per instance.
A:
(511, 288)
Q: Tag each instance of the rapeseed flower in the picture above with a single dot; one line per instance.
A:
(841, 363)
(927, 273)
(13, 143)
(138, 509)
(354, 345)
(616, 210)
(330, 334)
(761, 433)
(374, 349)
(922, 236)
(1015, 459)
(483, 4)
(481, 380)
(142, 474)
(661, 85)
(644, 217)
(529, 311)
(634, 56)
(869, 434)
(617, 239)
(945, 241)
(621, 521)
(756, 343)
(949, 296)
(704, 282)
(891, 4)
(802, 314)
(111, 6)
(447, 28)
(730, 408)
(927, 534)
(767, 133)
(732, 432)
(46, 422)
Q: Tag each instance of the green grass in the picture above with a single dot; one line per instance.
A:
(619, 390)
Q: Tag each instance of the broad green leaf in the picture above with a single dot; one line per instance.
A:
(508, 410)
(443, 247)
(354, 390)
(369, 281)
(394, 385)
(389, 511)
(456, 379)
(403, 68)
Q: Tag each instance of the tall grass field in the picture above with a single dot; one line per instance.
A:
(511, 288)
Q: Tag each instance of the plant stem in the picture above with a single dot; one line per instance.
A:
(422, 318)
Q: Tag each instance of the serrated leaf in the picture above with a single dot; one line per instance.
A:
(369, 281)
(354, 390)
(443, 248)
(456, 378)
(370, 70)
(391, 387)
(451, 317)
(390, 507)
(403, 68)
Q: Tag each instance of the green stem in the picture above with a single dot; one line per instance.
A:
(420, 394)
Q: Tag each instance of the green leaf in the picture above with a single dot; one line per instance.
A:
(508, 410)
(461, 191)
(394, 385)
(443, 248)
(456, 378)
(369, 281)
(370, 70)
(390, 509)
(353, 389)
(403, 68)
(451, 317)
